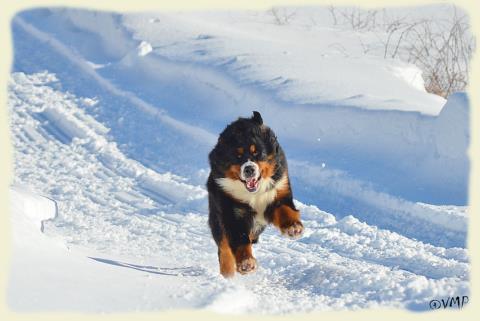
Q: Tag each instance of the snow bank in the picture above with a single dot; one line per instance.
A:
(47, 275)
(451, 130)
(235, 300)
(28, 214)
(194, 96)
(302, 64)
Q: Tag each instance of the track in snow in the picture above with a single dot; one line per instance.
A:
(104, 204)
(131, 88)
(108, 145)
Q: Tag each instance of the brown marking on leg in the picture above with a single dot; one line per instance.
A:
(246, 263)
(233, 172)
(253, 237)
(226, 258)
(288, 221)
(284, 190)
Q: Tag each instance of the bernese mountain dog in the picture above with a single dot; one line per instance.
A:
(248, 188)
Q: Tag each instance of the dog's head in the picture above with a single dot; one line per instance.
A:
(248, 151)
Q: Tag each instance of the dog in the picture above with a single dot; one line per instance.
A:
(248, 188)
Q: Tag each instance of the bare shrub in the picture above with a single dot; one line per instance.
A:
(355, 18)
(441, 48)
(282, 16)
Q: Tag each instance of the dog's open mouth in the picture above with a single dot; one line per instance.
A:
(251, 184)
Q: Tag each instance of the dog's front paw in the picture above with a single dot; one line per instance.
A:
(247, 265)
(294, 230)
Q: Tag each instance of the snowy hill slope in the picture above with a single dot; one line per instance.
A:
(112, 118)
(393, 159)
(105, 212)
(301, 63)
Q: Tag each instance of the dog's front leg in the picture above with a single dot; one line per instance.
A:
(233, 255)
(238, 234)
(287, 219)
(226, 258)
(246, 263)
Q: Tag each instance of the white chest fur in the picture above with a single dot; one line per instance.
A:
(266, 193)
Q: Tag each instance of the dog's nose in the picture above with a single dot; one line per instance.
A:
(249, 171)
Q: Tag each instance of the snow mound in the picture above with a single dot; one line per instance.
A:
(243, 301)
(411, 74)
(304, 73)
(449, 129)
(30, 211)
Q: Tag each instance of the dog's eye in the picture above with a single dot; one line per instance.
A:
(240, 151)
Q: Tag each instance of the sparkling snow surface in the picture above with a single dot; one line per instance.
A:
(112, 117)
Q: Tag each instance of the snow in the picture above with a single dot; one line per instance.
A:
(253, 50)
(112, 118)
(66, 278)
(144, 48)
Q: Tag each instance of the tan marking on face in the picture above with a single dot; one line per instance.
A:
(253, 148)
(267, 168)
(240, 150)
(226, 258)
(233, 172)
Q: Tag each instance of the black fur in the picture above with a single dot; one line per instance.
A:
(243, 132)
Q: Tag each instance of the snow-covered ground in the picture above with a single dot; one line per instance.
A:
(112, 117)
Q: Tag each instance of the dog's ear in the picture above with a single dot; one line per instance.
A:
(257, 118)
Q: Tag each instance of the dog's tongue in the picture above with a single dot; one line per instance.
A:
(251, 183)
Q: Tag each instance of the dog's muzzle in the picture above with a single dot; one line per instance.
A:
(250, 175)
